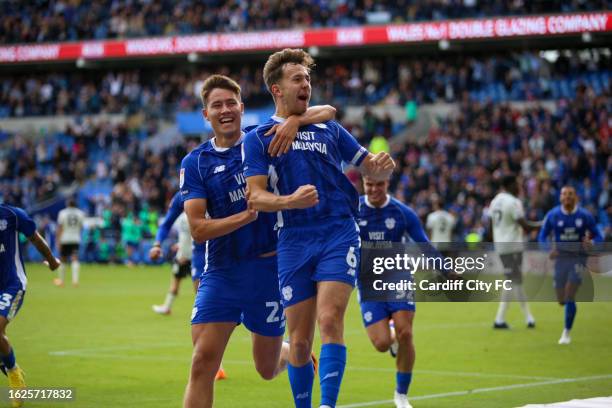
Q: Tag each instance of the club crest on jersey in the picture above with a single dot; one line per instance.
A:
(3, 224)
(578, 222)
(390, 223)
(287, 293)
(219, 169)
(560, 223)
(182, 178)
(367, 316)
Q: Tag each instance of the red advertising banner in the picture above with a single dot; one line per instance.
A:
(488, 28)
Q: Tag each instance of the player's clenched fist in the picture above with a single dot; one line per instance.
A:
(305, 196)
(384, 161)
(53, 264)
(382, 166)
(155, 253)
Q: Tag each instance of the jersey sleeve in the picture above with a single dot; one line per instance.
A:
(255, 160)
(517, 210)
(592, 226)
(60, 217)
(350, 151)
(429, 222)
(414, 228)
(25, 224)
(191, 180)
(546, 228)
(452, 220)
(174, 211)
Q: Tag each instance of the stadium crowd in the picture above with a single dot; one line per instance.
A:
(394, 80)
(462, 161)
(61, 20)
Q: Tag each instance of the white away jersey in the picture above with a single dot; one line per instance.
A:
(71, 220)
(441, 224)
(505, 210)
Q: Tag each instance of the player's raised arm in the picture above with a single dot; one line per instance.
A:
(175, 209)
(260, 199)
(595, 234)
(195, 195)
(205, 229)
(27, 227)
(546, 229)
(256, 163)
(285, 132)
(376, 166)
(43, 248)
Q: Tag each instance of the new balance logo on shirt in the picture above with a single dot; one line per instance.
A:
(219, 169)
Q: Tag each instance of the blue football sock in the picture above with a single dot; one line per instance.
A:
(570, 314)
(331, 369)
(403, 382)
(301, 379)
(9, 359)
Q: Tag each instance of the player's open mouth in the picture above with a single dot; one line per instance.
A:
(226, 120)
(303, 97)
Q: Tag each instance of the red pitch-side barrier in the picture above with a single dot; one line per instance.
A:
(487, 28)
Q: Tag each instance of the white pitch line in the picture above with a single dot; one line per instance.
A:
(93, 354)
(116, 348)
(457, 373)
(482, 390)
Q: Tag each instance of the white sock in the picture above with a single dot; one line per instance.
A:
(76, 266)
(169, 300)
(60, 272)
(522, 298)
(503, 307)
(501, 312)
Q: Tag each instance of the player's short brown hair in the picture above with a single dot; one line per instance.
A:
(218, 81)
(273, 70)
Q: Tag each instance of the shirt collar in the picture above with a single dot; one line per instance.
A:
(223, 149)
(369, 204)
(571, 212)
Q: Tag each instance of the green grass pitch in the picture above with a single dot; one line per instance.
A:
(103, 340)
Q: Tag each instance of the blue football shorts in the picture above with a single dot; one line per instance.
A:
(328, 251)
(245, 292)
(569, 269)
(372, 312)
(11, 299)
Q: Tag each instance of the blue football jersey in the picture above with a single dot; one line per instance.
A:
(215, 174)
(569, 227)
(13, 221)
(393, 222)
(315, 157)
(175, 209)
